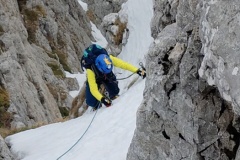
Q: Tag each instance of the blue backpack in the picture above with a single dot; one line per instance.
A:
(90, 54)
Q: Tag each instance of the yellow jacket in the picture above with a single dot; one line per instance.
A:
(92, 79)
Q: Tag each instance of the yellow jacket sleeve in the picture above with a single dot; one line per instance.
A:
(93, 85)
(122, 64)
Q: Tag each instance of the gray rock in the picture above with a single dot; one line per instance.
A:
(72, 84)
(105, 15)
(184, 116)
(5, 153)
(219, 32)
(115, 31)
(164, 14)
(38, 42)
(101, 8)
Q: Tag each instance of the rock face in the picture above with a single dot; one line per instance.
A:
(5, 153)
(98, 9)
(114, 26)
(190, 108)
(221, 63)
(39, 40)
(106, 14)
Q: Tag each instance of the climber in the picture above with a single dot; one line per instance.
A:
(99, 64)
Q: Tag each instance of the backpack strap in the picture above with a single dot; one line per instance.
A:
(82, 61)
(95, 70)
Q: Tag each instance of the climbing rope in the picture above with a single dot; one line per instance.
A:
(125, 77)
(82, 134)
(140, 64)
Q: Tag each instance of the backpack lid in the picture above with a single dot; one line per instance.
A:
(90, 54)
(94, 49)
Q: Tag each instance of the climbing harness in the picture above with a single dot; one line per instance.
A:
(82, 134)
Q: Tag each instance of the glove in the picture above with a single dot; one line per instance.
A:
(107, 102)
(141, 72)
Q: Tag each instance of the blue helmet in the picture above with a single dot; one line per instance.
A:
(104, 63)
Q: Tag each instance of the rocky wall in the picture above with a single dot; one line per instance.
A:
(39, 40)
(184, 114)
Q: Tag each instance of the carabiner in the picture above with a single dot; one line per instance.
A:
(141, 65)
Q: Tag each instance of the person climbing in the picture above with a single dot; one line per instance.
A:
(99, 64)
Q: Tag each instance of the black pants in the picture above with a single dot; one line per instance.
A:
(111, 87)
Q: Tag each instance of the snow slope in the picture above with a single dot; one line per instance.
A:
(111, 130)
